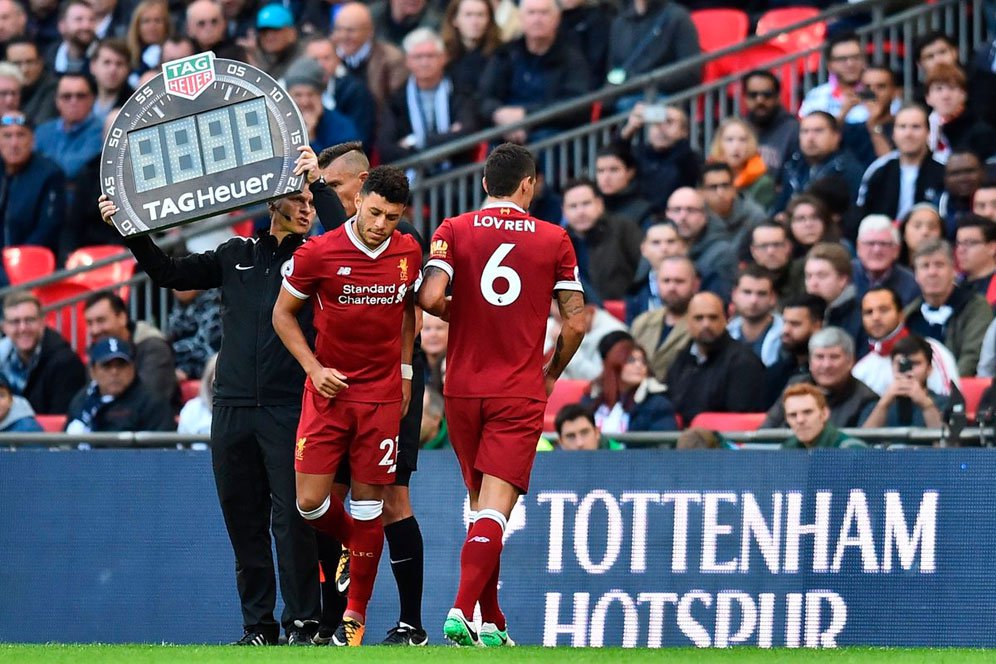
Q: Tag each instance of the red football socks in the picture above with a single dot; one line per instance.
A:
(331, 518)
(365, 546)
(479, 560)
(490, 611)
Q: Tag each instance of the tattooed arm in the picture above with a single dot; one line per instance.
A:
(432, 293)
(572, 331)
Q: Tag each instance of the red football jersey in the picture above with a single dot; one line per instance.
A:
(358, 308)
(504, 267)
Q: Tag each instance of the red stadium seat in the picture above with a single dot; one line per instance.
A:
(243, 228)
(189, 389)
(52, 423)
(795, 41)
(102, 277)
(27, 262)
(617, 308)
(67, 320)
(972, 388)
(565, 392)
(718, 29)
(728, 421)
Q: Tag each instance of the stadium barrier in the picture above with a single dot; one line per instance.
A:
(644, 548)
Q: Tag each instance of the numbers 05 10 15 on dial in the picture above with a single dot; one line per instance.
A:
(204, 137)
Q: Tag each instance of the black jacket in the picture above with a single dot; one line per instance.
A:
(396, 124)
(847, 405)
(254, 366)
(137, 409)
(729, 381)
(58, 375)
(879, 193)
(663, 171)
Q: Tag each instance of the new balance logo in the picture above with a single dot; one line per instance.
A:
(478, 538)
(344, 271)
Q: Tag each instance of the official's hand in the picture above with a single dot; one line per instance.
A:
(107, 209)
(328, 381)
(307, 164)
(406, 395)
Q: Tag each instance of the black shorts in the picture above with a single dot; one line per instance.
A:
(408, 435)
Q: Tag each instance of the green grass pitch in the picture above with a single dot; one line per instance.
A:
(151, 654)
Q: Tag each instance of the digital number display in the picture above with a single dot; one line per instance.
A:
(200, 144)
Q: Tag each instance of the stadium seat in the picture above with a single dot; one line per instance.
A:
(52, 423)
(566, 391)
(728, 421)
(27, 263)
(189, 389)
(718, 29)
(795, 41)
(243, 228)
(972, 388)
(102, 277)
(61, 319)
(617, 308)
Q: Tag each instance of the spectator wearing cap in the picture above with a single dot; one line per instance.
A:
(877, 264)
(77, 135)
(714, 373)
(953, 124)
(429, 110)
(277, 44)
(910, 174)
(305, 82)
(106, 315)
(599, 324)
(115, 399)
(809, 417)
(16, 414)
(35, 360)
(666, 160)
(394, 20)
(947, 311)
(626, 397)
(32, 187)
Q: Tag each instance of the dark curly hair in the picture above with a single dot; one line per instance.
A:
(389, 182)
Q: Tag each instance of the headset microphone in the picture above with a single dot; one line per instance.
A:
(274, 208)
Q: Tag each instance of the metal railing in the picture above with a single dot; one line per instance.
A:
(572, 152)
(759, 439)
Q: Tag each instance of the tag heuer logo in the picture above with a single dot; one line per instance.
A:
(189, 77)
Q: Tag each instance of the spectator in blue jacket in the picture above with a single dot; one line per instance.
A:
(77, 135)
(32, 187)
(16, 414)
(305, 81)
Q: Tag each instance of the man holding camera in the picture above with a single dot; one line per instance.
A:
(908, 401)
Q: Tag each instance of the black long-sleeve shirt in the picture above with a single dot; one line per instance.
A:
(254, 366)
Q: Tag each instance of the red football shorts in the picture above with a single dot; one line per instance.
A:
(330, 428)
(495, 436)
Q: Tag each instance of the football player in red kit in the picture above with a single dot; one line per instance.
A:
(362, 277)
(503, 266)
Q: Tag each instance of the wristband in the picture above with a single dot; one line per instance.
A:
(406, 372)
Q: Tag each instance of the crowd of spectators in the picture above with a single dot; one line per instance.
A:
(801, 247)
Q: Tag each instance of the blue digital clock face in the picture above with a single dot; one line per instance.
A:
(205, 137)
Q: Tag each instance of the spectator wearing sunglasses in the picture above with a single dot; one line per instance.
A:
(76, 135)
(777, 130)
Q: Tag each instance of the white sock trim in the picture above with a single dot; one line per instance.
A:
(366, 510)
(495, 516)
(472, 517)
(318, 512)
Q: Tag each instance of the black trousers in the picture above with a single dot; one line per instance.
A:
(252, 450)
